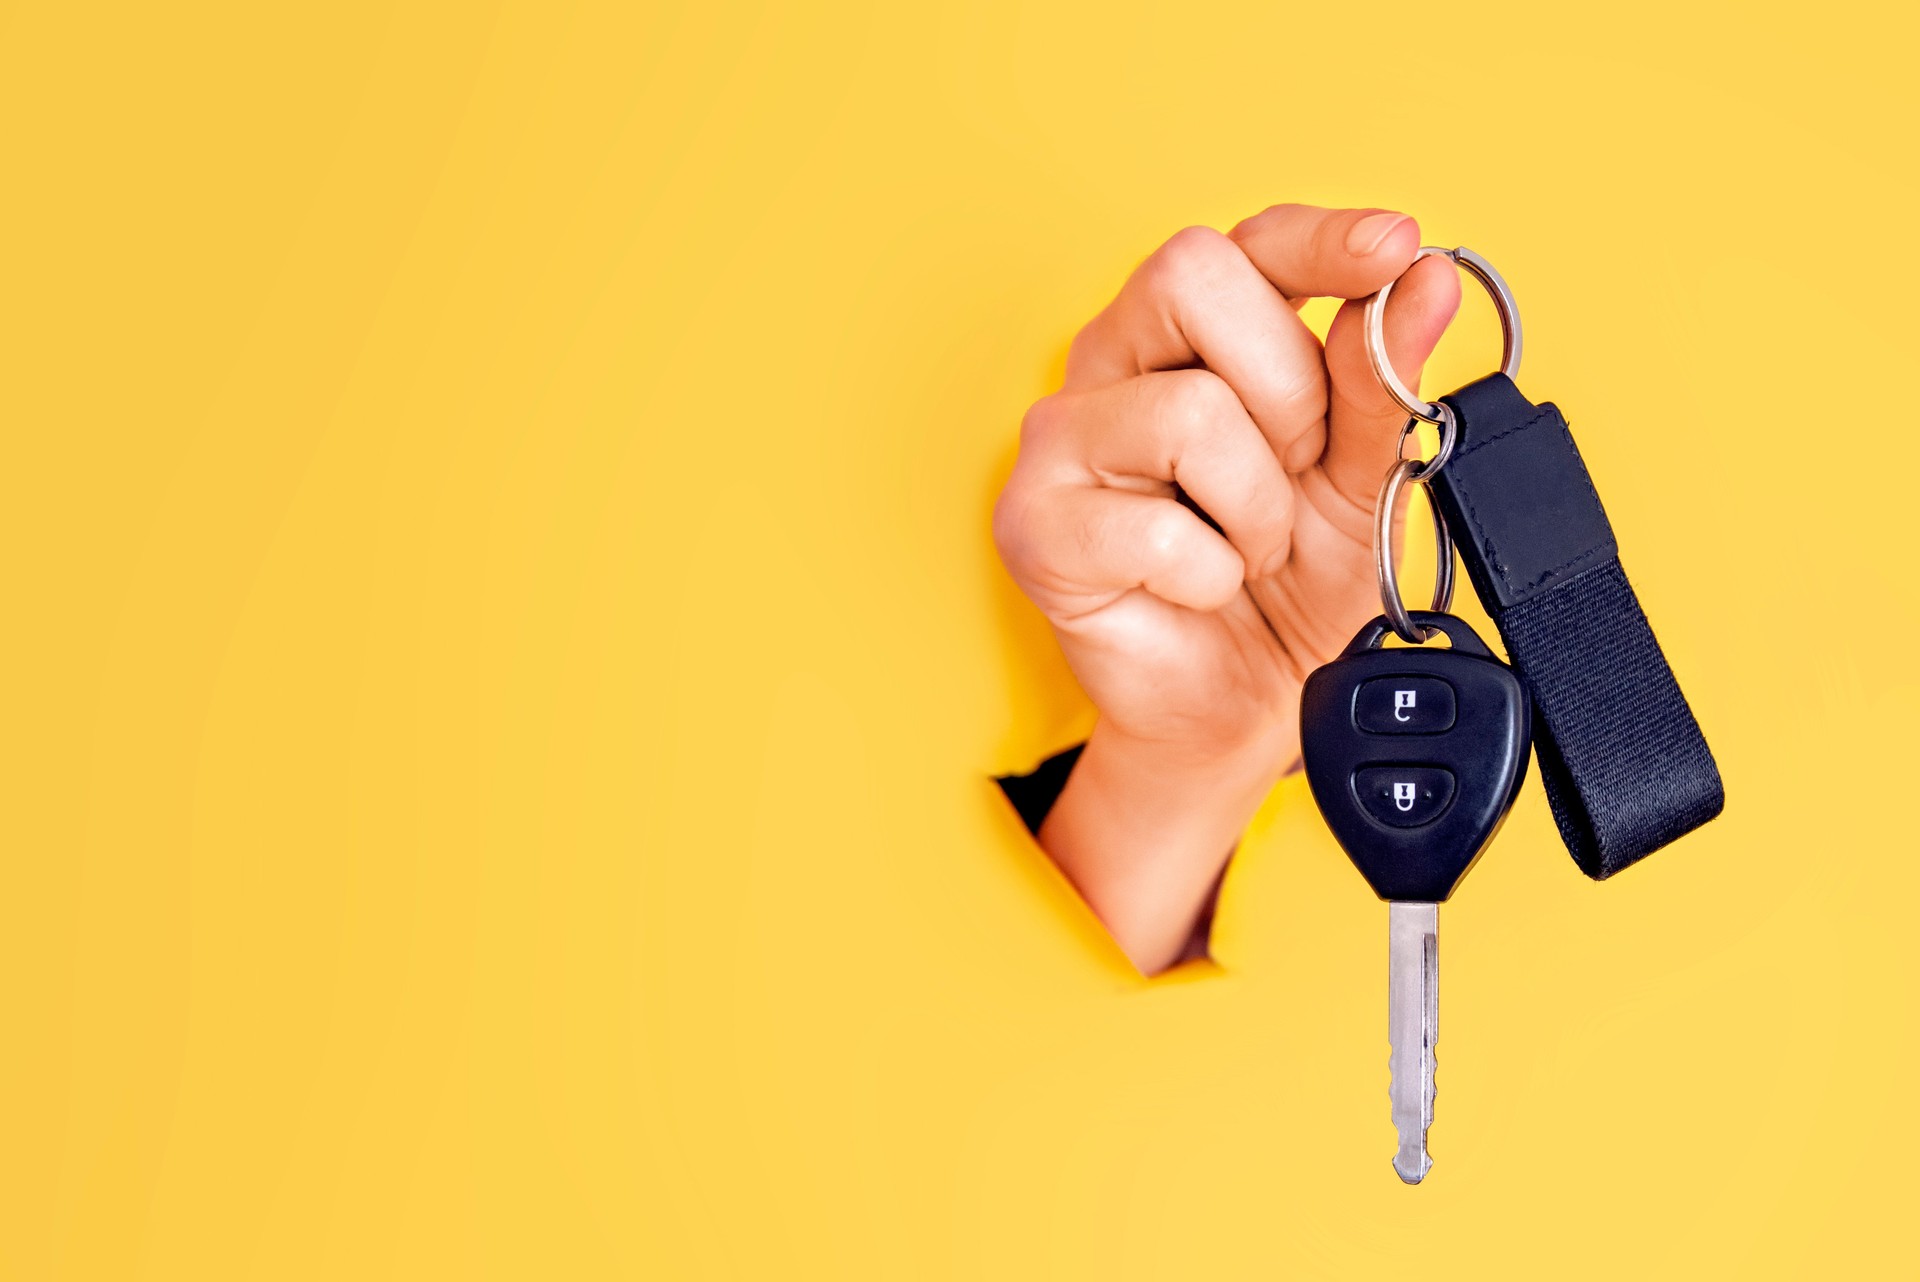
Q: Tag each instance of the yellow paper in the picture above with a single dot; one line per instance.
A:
(504, 652)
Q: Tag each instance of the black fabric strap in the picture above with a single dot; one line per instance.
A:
(1625, 765)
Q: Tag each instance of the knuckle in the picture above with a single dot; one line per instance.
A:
(1257, 223)
(1012, 523)
(1042, 422)
(1080, 352)
(1198, 402)
(1190, 255)
(1164, 534)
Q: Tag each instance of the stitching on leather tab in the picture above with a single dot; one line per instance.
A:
(1563, 567)
(1477, 446)
(1493, 552)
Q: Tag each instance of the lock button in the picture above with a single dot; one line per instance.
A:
(1404, 796)
(1404, 705)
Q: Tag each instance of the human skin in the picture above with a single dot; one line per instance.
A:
(1200, 379)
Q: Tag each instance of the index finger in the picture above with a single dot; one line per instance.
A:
(1308, 252)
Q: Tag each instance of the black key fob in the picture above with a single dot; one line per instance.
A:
(1415, 755)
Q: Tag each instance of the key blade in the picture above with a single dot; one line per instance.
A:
(1413, 1024)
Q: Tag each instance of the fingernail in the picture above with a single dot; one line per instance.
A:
(1365, 236)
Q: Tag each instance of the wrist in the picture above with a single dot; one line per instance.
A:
(1214, 770)
(1144, 827)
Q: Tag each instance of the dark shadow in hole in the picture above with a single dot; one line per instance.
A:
(1033, 794)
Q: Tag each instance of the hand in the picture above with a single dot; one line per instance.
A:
(1199, 387)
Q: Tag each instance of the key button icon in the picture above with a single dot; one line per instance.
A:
(1404, 796)
(1404, 705)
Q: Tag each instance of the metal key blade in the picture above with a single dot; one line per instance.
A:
(1413, 1024)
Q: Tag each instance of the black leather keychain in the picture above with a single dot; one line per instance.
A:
(1625, 765)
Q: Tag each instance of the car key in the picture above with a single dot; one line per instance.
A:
(1414, 756)
(1626, 767)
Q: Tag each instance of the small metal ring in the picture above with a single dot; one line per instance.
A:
(1395, 609)
(1376, 340)
(1449, 429)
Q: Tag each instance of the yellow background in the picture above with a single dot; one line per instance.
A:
(504, 652)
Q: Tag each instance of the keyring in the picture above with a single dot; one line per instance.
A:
(1376, 341)
(1396, 610)
(1449, 428)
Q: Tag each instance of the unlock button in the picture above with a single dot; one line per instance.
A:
(1403, 796)
(1403, 705)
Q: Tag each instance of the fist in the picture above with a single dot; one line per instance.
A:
(1192, 510)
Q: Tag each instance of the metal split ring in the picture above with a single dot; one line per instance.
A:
(1376, 340)
(1449, 428)
(1396, 610)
